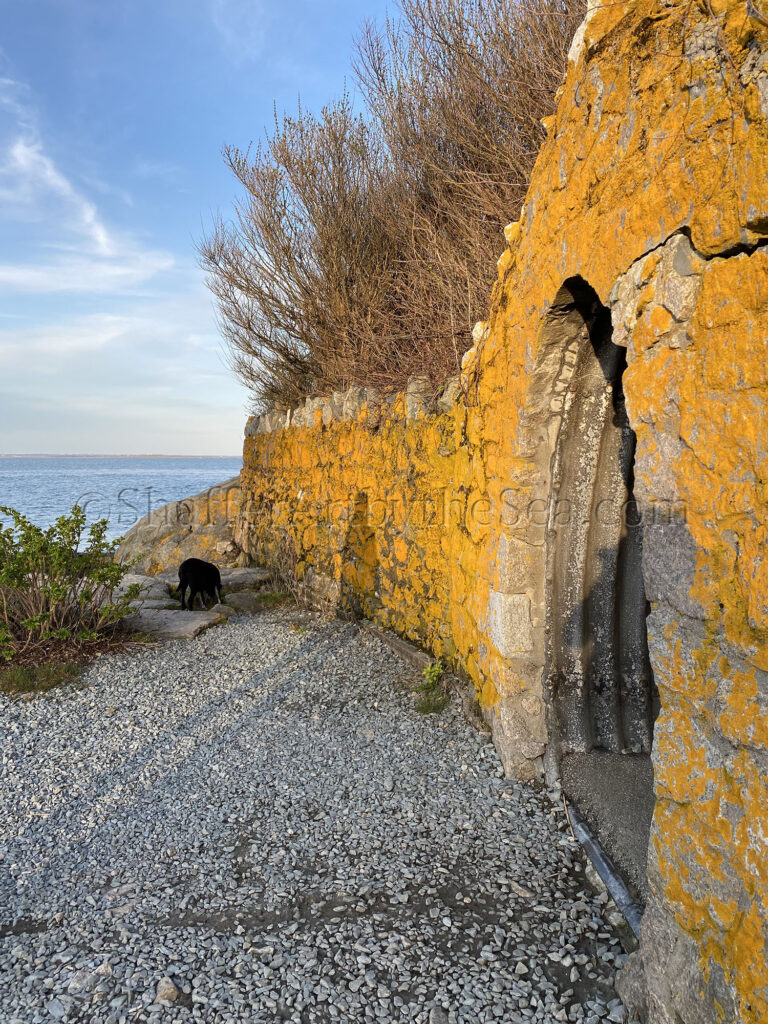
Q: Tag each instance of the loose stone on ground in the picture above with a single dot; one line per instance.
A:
(259, 821)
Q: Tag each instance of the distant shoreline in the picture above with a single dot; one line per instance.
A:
(44, 455)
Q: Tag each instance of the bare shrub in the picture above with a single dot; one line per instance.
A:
(282, 563)
(458, 89)
(364, 248)
(307, 590)
(302, 275)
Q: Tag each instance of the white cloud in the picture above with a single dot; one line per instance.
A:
(154, 330)
(33, 189)
(145, 380)
(15, 98)
(89, 334)
(30, 163)
(162, 169)
(72, 273)
(140, 370)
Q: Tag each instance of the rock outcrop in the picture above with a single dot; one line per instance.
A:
(158, 613)
(197, 527)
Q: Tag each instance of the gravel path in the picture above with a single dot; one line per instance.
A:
(259, 826)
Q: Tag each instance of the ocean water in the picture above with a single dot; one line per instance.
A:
(121, 490)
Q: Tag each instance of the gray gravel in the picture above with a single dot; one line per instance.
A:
(258, 826)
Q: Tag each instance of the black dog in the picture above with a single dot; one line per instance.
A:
(202, 578)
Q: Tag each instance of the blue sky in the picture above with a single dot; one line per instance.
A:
(113, 114)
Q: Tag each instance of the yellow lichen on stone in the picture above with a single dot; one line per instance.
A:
(650, 187)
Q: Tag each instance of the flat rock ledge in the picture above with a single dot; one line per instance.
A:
(173, 625)
(158, 610)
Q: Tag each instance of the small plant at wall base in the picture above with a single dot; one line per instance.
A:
(59, 587)
(282, 563)
(433, 697)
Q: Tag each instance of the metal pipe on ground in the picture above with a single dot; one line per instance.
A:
(604, 866)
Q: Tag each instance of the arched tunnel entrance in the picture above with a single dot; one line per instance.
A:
(602, 696)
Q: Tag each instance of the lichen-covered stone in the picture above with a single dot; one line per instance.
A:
(651, 188)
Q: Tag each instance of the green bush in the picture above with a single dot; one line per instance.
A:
(433, 696)
(51, 589)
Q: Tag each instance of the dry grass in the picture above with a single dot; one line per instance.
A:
(16, 680)
(56, 662)
(282, 563)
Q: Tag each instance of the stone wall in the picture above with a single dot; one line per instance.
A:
(648, 203)
(389, 519)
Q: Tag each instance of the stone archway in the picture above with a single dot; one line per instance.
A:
(599, 682)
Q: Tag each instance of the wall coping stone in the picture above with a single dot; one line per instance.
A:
(347, 405)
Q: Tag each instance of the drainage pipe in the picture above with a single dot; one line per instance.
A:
(604, 866)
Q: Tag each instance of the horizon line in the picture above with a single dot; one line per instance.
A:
(106, 455)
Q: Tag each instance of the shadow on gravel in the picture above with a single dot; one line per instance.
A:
(302, 820)
(308, 649)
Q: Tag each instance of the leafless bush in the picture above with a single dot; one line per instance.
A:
(302, 275)
(308, 591)
(364, 248)
(282, 563)
(458, 89)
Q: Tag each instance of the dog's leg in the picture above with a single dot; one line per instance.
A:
(183, 590)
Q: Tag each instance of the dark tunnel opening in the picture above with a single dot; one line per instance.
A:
(601, 691)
